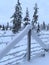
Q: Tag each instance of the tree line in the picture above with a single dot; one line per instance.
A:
(5, 27)
(17, 19)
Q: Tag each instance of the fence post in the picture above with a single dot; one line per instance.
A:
(29, 45)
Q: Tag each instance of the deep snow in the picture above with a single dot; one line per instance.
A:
(16, 55)
(38, 61)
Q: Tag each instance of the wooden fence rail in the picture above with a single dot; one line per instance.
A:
(15, 41)
(27, 31)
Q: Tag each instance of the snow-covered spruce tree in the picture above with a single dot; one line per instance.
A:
(38, 28)
(0, 26)
(44, 26)
(7, 26)
(35, 16)
(48, 27)
(3, 28)
(17, 17)
(26, 18)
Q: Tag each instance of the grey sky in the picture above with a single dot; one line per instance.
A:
(7, 9)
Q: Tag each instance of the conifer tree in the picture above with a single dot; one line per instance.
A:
(7, 26)
(17, 17)
(44, 25)
(3, 28)
(48, 27)
(0, 26)
(26, 19)
(38, 28)
(35, 15)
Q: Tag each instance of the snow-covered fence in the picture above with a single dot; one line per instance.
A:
(6, 36)
(42, 44)
(15, 41)
(10, 46)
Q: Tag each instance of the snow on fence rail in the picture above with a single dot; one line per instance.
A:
(34, 35)
(18, 38)
(6, 38)
(15, 41)
(6, 35)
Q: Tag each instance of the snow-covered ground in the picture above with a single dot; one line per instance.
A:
(18, 53)
(38, 61)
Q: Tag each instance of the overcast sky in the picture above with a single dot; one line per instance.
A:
(7, 9)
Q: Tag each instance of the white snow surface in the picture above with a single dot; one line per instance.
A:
(38, 61)
(17, 54)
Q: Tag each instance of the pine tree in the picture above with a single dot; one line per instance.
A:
(17, 17)
(0, 26)
(3, 28)
(48, 27)
(7, 26)
(26, 19)
(38, 28)
(35, 15)
(44, 25)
